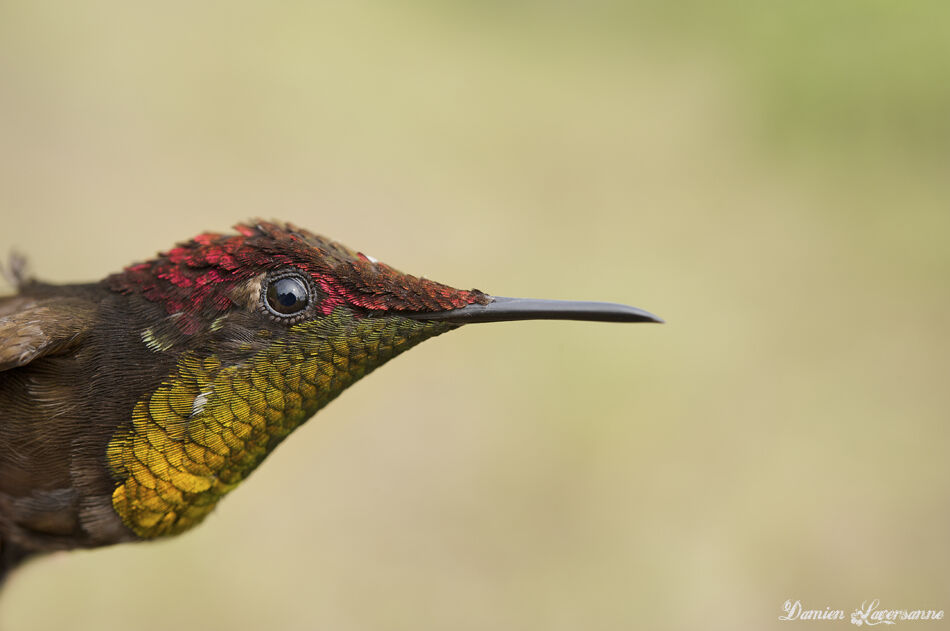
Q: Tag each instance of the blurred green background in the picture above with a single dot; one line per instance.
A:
(772, 178)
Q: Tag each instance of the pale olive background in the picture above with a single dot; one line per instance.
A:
(771, 178)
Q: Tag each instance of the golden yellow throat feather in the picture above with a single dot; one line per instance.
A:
(207, 426)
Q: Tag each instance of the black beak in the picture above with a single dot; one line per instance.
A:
(502, 309)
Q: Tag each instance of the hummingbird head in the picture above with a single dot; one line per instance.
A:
(281, 273)
(264, 328)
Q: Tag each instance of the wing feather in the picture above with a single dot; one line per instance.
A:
(31, 328)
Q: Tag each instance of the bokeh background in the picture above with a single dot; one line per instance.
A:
(772, 178)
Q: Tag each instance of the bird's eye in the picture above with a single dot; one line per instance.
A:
(287, 295)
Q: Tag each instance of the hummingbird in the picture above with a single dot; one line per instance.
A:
(131, 406)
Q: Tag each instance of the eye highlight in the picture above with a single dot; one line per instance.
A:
(287, 295)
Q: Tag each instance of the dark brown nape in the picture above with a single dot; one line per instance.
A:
(10, 557)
